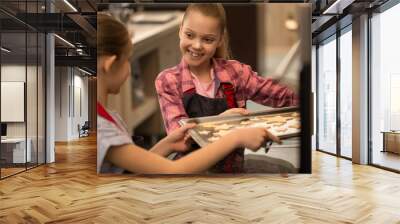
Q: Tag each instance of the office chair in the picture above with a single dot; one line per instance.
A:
(84, 130)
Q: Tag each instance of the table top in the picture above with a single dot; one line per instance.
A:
(391, 132)
(13, 140)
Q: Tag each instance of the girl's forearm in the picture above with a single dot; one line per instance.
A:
(204, 158)
(162, 148)
(137, 160)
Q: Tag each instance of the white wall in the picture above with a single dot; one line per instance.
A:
(13, 73)
(82, 82)
(71, 93)
(61, 103)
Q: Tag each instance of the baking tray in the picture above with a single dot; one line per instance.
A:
(282, 122)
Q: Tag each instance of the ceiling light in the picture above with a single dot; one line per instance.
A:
(84, 71)
(78, 44)
(337, 7)
(5, 50)
(291, 24)
(71, 6)
(65, 41)
(80, 51)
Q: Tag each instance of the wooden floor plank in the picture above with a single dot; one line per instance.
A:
(69, 191)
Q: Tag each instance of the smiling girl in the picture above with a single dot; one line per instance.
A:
(207, 83)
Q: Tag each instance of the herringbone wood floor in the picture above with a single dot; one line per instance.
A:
(69, 191)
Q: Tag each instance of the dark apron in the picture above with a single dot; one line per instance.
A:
(200, 106)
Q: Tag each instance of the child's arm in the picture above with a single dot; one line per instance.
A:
(138, 160)
(171, 104)
(265, 91)
(161, 149)
(176, 141)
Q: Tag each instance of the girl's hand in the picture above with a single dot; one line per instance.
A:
(253, 138)
(232, 111)
(179, 140)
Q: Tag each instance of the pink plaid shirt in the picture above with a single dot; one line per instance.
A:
(173, 82)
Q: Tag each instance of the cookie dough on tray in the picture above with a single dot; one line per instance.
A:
(283, 125)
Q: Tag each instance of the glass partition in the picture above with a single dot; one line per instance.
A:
(346, 93)
(385, 89)
(327, 96)
(31, 97)
(22, 89)
(41, 91)
(14, 153)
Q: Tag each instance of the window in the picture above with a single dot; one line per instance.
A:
(385, 84)
(394, 111)
(327, 96)
(346, 93)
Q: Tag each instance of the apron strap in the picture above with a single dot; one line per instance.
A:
(229, 92)
(190, 91)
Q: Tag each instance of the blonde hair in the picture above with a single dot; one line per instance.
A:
(112, 37)
(215, 10)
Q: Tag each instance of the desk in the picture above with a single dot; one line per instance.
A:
(391, 141)
(13, 150)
